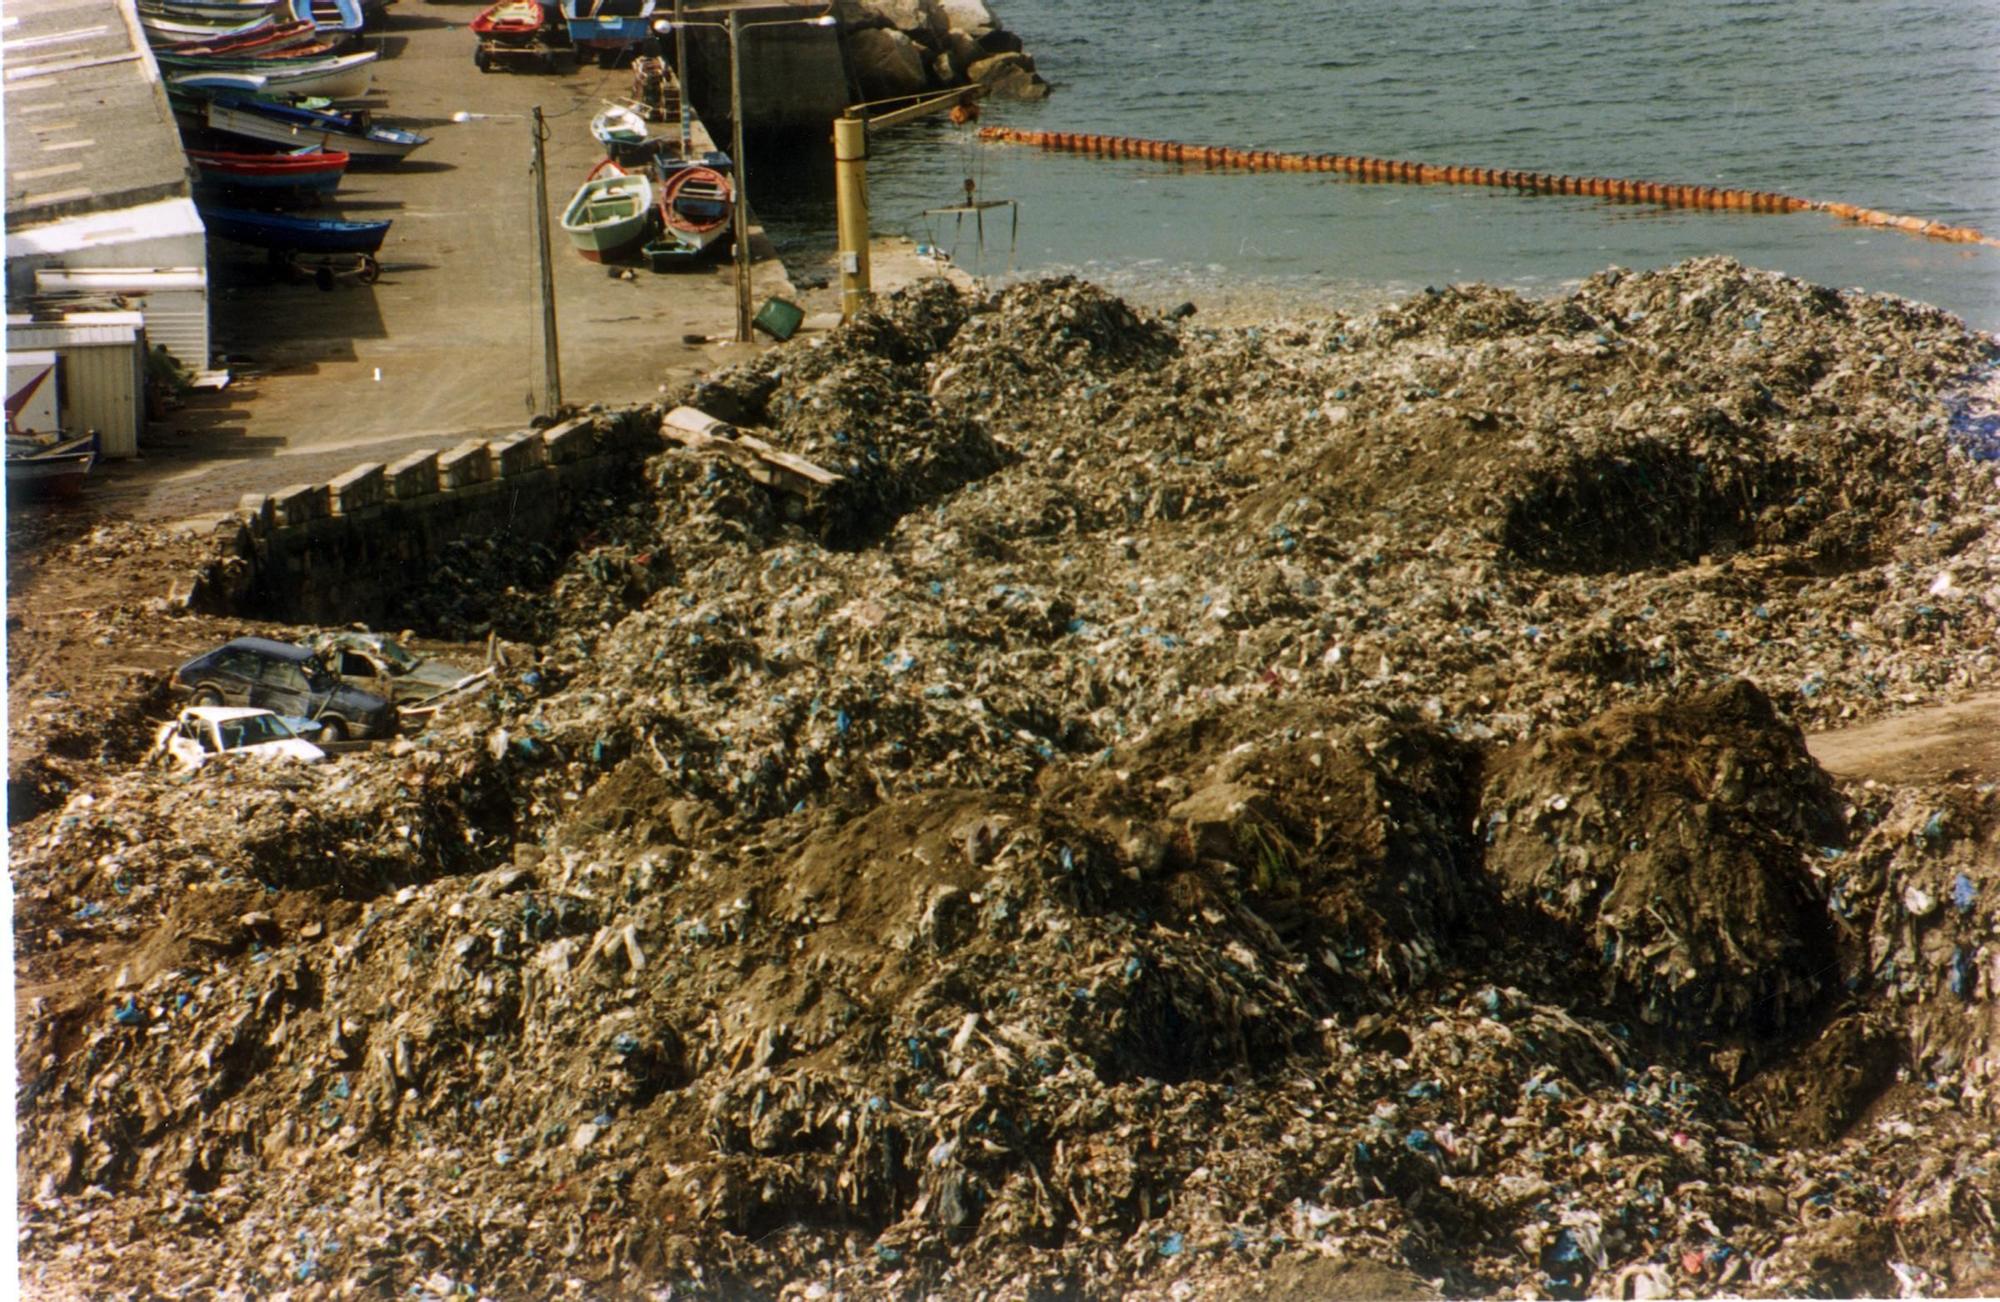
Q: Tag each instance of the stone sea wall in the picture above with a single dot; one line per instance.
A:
(906, 47)
(342, 550)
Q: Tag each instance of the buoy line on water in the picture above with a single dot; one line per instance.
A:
(1402, 170)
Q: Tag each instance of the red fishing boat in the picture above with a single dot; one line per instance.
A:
(318, 171)
(516, 19)
(282, 37)
(696, 207)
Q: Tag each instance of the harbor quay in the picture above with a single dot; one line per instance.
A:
(447, 342)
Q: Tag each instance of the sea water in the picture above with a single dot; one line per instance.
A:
(1888, 104)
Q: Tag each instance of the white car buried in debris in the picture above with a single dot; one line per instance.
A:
(205, 731)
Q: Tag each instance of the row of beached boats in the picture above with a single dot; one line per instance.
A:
(649, 198)
(608, 29)
(263, 92)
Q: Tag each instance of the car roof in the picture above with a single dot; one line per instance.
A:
(266, 647)
(222, 713)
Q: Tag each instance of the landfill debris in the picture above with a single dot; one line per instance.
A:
(1169, 811)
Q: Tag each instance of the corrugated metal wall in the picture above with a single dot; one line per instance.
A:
(179, 319)
(104, 388)
(174, 301)
(102, 372)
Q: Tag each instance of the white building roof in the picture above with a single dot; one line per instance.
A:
(88, 127)
(157, 220)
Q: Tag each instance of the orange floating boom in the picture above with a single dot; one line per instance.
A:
(1389, 169)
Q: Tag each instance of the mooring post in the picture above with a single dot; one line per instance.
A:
(850, 188)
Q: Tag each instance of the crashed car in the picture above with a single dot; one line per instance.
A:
(378, 663)
(205, 731)
(285, 679)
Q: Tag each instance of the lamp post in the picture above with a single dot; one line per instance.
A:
(735, 28)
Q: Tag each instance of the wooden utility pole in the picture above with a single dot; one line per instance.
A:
(551, 352)
(742, 177)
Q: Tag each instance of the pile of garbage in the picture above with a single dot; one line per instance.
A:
(1177, 808)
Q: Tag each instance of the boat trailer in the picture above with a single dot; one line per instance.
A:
(534, 53)
(325, 270)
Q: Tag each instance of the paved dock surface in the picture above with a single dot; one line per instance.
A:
(445, 343)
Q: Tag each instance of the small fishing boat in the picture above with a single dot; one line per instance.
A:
(271, 176)
(608, 27)
(266, 40)
(48, 464)
(255, 59)
(221, 10)
(153, 15)
(282, 124)
(161, 29)
(285, 234)
(622, 132)
(696, 205)
(312, 44)
(608, 215)
(337, 15)
(346, 77)
(510, 19)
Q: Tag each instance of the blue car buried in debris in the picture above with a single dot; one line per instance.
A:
(287, 680)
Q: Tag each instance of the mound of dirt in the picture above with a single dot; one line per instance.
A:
(1678, 841)
(1318, 806)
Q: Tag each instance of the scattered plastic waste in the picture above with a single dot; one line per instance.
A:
(1131, 829)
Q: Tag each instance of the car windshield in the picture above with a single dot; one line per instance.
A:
(252, 729)
(400, 660)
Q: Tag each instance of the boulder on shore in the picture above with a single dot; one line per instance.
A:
(886, 63)
(1009, 76)
(971, 16)
(963, 51)
(915, 18)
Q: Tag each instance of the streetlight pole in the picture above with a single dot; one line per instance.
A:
(741, 226)
(681, 74)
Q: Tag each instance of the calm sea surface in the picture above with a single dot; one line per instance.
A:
(1889, 104)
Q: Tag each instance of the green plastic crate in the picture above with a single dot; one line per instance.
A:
(779, 319)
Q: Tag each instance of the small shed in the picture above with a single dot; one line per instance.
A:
(174, 301)
(100, 372)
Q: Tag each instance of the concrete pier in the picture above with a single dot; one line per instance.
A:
(446, 343)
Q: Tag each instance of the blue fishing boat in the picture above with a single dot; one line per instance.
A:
(609, 27)
(334, 15)
(281, 124)
(281, 233)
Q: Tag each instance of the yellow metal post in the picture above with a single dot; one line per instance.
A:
(850, 185)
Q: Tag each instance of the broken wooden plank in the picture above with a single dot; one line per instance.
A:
(773, 467)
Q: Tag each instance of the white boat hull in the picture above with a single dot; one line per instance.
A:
(255, 126)
(347, 77)
(608, 216)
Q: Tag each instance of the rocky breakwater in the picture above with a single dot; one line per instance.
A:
(906, 47)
